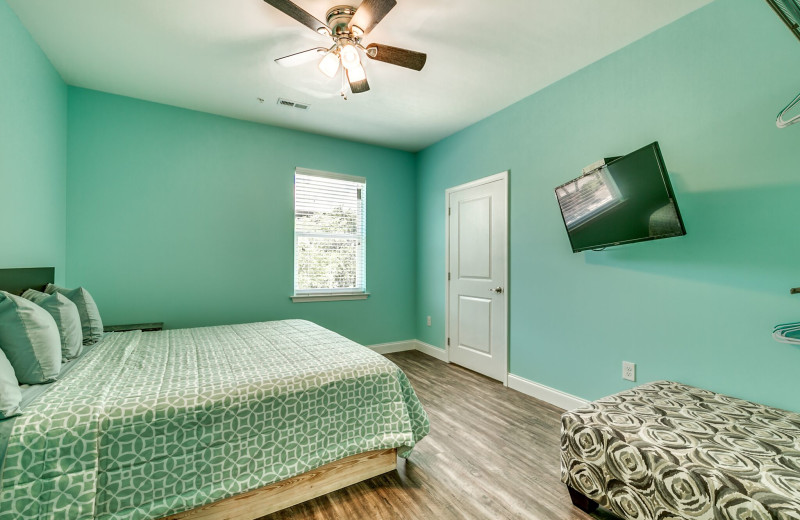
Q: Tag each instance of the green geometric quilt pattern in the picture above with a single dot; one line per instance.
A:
(150, 424)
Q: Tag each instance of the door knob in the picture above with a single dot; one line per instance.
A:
(498, 290)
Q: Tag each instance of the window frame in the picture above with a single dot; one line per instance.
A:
(330, 294)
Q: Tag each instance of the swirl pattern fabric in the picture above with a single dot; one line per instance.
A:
(150, 424)
(668, 451)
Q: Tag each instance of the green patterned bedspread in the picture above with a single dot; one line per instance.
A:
(155, 423)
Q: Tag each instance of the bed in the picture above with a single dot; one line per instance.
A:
(217, 422)
(665, 450)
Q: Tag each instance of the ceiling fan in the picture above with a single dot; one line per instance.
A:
(347, 26)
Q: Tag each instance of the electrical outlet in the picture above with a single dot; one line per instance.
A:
(429, 321)
(629, 371)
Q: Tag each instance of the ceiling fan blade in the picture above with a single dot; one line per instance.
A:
(357, 78)
(300, 58)
(369, 14)
(298, 14)
(397, 56)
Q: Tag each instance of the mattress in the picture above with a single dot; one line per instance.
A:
(152, 423)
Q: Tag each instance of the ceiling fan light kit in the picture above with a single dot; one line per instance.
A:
(349, 56)
(330, 64)
(346, 26)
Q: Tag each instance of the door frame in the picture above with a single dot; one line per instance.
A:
(502, 176)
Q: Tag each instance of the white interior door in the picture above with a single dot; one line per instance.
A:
(477, 274)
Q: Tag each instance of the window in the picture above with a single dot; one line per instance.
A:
(588, 197)
(329, 236)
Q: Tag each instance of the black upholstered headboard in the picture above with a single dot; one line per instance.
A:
(16, 281)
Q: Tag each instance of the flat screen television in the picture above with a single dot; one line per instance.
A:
(628, 199)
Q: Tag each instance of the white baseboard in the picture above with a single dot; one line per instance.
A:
(397, 346)
(411, 344)
(432, 351)
(545, 393)
(520, 384)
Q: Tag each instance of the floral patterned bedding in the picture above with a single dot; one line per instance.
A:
(154, 423)
(667, 451)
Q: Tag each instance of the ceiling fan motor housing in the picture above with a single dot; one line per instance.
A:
(347, 25)
(338, 18)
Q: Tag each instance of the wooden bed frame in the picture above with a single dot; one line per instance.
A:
(263, 501)
(296, 490)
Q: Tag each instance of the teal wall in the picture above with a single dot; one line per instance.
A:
(33, 152)
(187, 218)
(697, 309)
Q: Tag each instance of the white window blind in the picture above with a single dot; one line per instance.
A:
(329, 233)
(588, 197)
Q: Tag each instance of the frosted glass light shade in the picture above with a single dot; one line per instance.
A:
(350, 57)
(329, 65)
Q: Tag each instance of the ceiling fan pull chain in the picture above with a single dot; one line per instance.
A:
(344, 87)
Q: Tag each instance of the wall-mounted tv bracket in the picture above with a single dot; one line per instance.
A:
(598, 165)
(594, 167)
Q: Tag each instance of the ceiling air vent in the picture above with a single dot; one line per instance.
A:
(293, 104)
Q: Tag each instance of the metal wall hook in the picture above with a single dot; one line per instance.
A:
(782, 123)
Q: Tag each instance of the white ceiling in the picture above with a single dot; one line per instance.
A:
(216, 56)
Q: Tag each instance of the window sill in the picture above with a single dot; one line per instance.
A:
(307, 298)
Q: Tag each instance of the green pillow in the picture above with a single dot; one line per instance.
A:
(91, 324)
(67, 318)
(10, 396)
(29, 338)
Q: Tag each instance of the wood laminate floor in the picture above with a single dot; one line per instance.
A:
(492, 454)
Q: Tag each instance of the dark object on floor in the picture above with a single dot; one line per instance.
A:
(581, 501)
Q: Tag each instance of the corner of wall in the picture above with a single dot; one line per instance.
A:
(33, 150)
